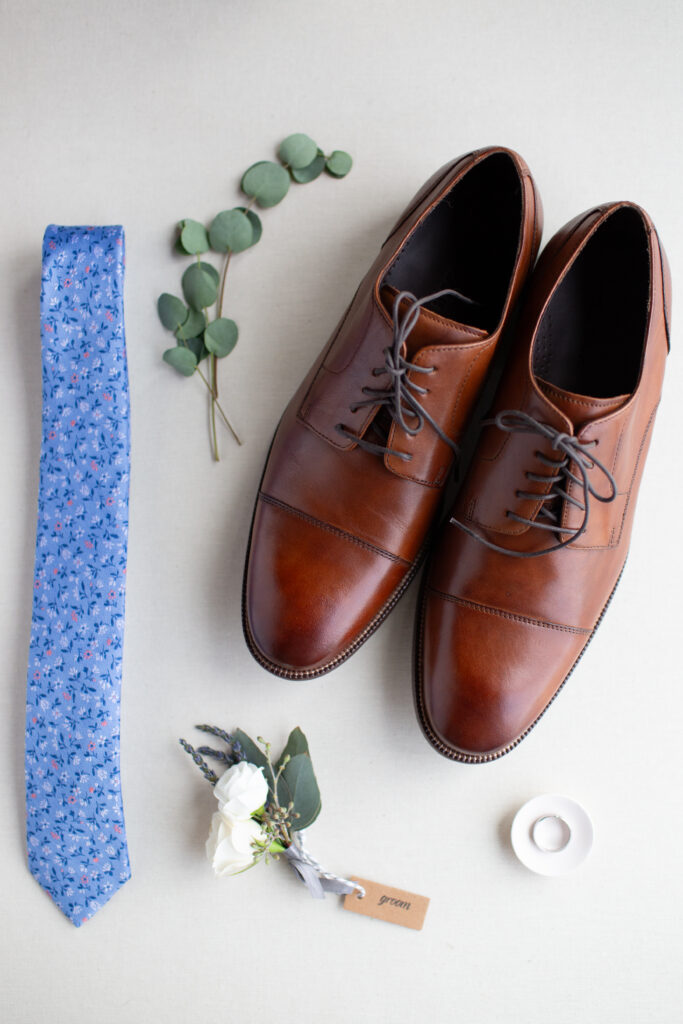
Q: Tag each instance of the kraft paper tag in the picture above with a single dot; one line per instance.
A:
(387, 904)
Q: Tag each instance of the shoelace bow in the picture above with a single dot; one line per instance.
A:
(401, 398)
(572, 451)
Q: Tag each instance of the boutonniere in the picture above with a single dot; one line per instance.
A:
(264, 805)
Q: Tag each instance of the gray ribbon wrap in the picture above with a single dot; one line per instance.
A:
(311, 873)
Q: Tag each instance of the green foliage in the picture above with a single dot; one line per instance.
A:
(181, 359)
(312, 171)
(298, 785)
(209, 269)
(220, 337)
(255, 220)
(266, 182)
(297, 151)
(253, 754)
(199, 334)
(199, 288)
(296, 744)
(231, 231)
(172, 311)
(196, 346)
(339, 163)
(193, 238)
(192, 326)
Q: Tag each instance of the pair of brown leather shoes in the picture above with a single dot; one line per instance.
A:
(525, 565)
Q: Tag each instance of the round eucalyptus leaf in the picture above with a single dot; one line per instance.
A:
(181, 359)
(231, 231)
(305, 174)
(220, 336)
(266, 182)
(196, 346)
(297, 151)
(255, 221)
(199, 287)
(339, 163)
(193, 237)
(209, 269)
(193, 326)
(172, 311)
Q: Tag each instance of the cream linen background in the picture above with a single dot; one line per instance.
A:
(144, 112)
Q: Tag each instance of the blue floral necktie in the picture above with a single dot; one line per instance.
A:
(75, 828)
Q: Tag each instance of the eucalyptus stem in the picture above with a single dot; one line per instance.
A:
(219, 308)
(220, 408)
(214, 400)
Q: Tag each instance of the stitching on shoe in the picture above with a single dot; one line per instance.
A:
(618, 529)
(489, 610)
(333, 529)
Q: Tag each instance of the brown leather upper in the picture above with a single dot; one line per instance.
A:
(499, 634)
(338, 530)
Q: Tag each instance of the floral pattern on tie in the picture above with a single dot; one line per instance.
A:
(75, 828)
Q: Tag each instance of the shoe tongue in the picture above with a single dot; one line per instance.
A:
(430, 328)
(580, 409)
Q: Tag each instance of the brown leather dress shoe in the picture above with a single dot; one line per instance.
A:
(525, 569)
(358, 463)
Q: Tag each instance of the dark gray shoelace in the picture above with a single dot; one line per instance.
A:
(573, 452)
(400, 398)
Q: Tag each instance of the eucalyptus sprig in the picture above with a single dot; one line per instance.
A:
(201, 334)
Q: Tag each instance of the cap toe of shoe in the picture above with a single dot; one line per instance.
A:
(312, 591)
(484, 675)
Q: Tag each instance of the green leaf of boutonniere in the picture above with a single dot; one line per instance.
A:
(253, 754)
(296, 744)
(298, 784)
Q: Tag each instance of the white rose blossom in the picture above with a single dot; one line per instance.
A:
(230, 844)
(241, 790)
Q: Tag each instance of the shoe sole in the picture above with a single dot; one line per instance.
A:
(460, 756)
